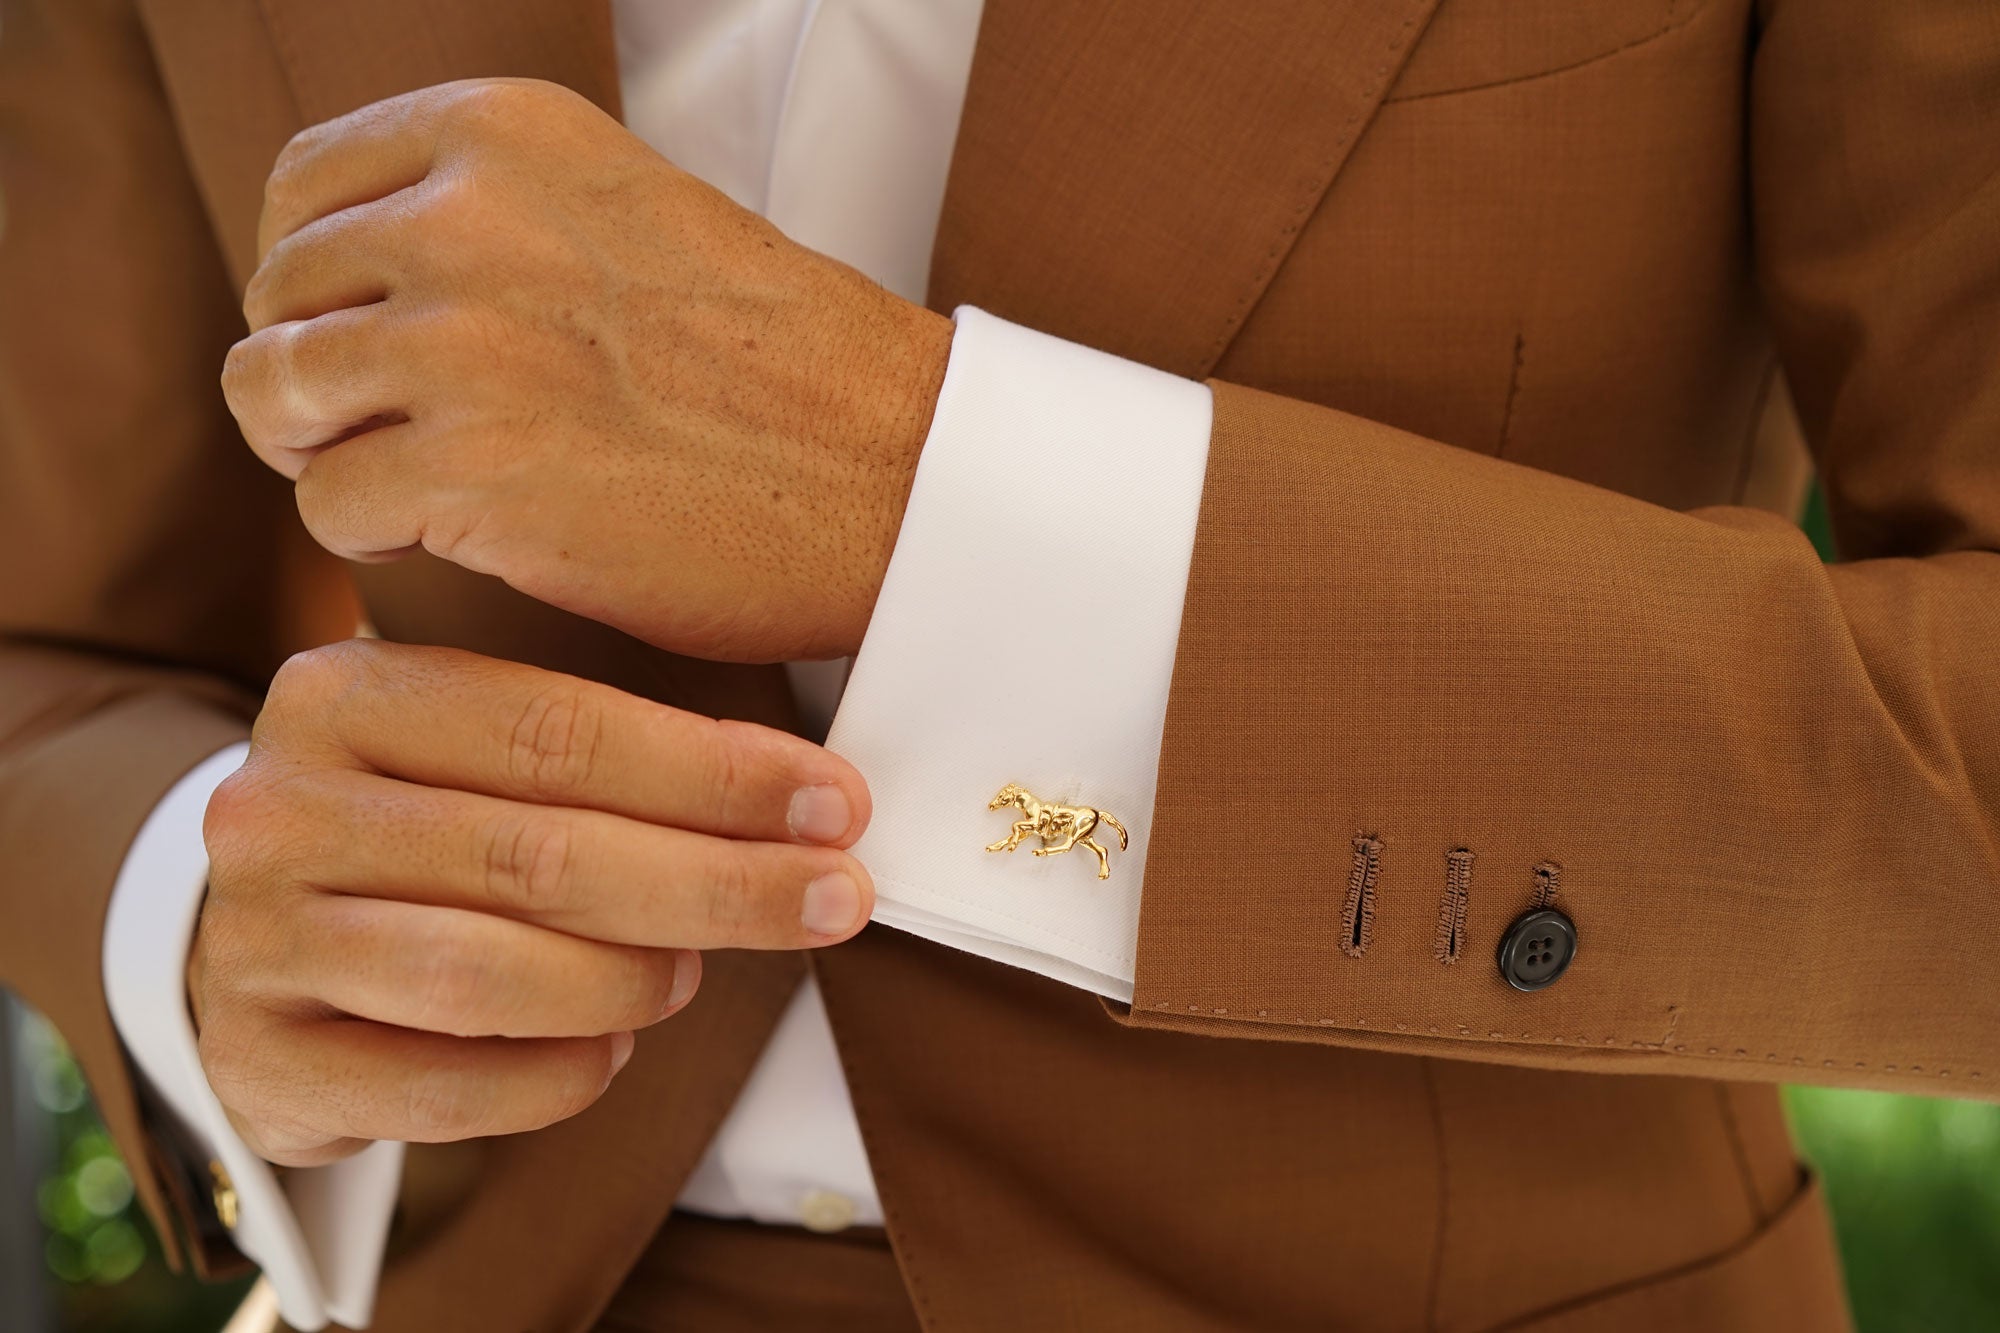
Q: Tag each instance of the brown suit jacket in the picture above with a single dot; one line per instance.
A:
(1495, 294)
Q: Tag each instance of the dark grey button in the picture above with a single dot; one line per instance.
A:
(1537, 949)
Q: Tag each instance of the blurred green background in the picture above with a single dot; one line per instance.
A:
(101, 1264)
(1914, 1185)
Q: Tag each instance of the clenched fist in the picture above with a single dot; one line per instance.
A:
(445, 891)
(491, 323)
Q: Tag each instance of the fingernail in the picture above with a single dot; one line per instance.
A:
(820, 814)
(621, 1050)
(687, 975)
(833, 902)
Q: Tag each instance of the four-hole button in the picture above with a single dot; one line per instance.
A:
(1537, 949)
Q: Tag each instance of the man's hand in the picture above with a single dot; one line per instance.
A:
(445, 890)
(491, 323)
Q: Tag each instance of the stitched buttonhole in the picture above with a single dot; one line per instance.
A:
(1548, 880)
(1451, 908)
(1357, 916)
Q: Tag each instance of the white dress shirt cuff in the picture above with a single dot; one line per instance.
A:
(318, 1234)
(1025, 633)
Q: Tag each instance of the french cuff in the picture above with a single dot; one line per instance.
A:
(1025, 635)
(317, 1234)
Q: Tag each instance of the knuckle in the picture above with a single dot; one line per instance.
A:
(308, 353)
(462, 536)
(245, 370)
(727, 791)
(324, 505)
(239, 1065)
(290, 261)
(298, 673)
(287, 1141)
(226, 954)
(441, 1102)
(552, 750)
(451, 197)
(261, 828)
(476, 96)
(281, 187)
(728, 902)
(298, 150)
(220, 1060)
(479, 109)
(453, 979)
(306, 681)
(257, 292)
(503, 98)
(233, 806)
(310, 705)
(247, 1070)
(529, 863)
(317, 678)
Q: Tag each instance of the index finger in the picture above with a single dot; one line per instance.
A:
(441, 717)
(365, 155)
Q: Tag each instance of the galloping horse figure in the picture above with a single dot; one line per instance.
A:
(1060, 827)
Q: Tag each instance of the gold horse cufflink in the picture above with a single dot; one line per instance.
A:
(1060, 827)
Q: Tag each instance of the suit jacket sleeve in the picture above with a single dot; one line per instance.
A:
(146, 555)
(1769, 788)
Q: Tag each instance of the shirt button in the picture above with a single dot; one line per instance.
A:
(824, 1211)
(1537, 949)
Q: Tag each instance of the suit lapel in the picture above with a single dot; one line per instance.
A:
(1131, 173)
(342, 56)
